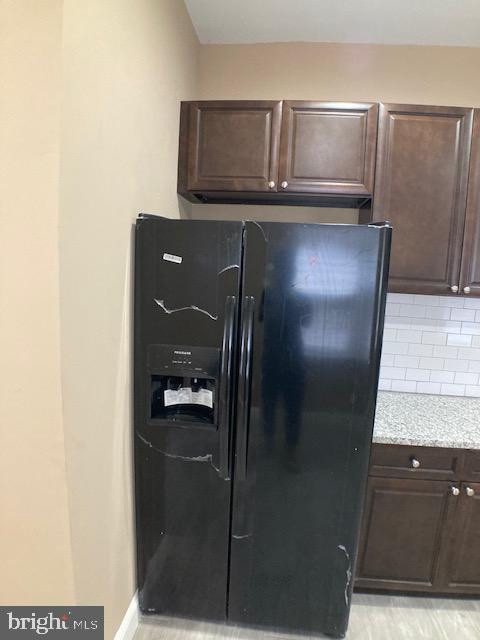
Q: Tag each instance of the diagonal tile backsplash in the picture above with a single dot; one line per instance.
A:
(431, 344)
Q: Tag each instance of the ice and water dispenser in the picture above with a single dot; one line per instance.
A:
(184, 384)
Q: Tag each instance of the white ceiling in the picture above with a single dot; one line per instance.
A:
(424, 22)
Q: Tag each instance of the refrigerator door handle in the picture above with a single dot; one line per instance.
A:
(224, 409)
(246, 346)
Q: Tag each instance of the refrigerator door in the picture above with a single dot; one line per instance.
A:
(311, 326)
(186, 299)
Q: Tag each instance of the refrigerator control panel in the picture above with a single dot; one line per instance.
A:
(183, 385)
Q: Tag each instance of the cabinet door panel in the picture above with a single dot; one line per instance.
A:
(460, 562)
(470, 276)
(402, 533)
(233, 146)
(421, 187)
(328, 147)
(472, 466)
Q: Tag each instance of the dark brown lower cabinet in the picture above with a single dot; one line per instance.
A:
(402, 533)
(421, 535)
(459, 569)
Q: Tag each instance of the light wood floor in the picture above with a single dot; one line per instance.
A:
(373, 617)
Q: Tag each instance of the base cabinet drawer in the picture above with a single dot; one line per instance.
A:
(428, 463)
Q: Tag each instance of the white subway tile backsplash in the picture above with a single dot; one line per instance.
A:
(469, 353)
(404, 298)
(442, 376)
(474, 366)
(431, 345)
(420, 375)
(420, 350)
(434, 337)
(406, 361)
(472, 390)
(389, 334)
(454, 302)
(392, 309)
(471, 328)
(472, 303)
(449, 326)
(466, 378)
(431, 363)
(462, 314)
(393, 373)
(455, 365)
(428, 387)
(398, 323)
(452, 390)
(431, 301)
(424, 324)
(409, 335)
(445, 352)
(384, 385)
(404, 385)
(387, 359)
(400, 348)
(418, 311)
(458, 340)
(439, 313)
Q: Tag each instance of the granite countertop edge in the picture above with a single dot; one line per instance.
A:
(422, 420)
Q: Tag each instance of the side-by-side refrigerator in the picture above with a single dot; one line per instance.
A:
(257, 349)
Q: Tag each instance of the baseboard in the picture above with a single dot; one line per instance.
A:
(129, 625)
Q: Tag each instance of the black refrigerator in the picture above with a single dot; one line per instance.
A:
(257, 349)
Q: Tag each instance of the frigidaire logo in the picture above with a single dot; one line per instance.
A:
(60, 622)
(183, 353)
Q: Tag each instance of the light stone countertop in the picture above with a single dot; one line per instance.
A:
(417, 419)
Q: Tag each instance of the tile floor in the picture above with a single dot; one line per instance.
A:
(373, 617)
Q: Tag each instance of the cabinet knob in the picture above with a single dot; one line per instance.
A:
(284, 184)
(466, 290)
(271, 184)
(454, 288)
(469, 491)
(455, 491)
(415, 463)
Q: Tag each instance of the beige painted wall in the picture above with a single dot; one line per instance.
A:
(317, 71)
(126, 66)
(35, 555)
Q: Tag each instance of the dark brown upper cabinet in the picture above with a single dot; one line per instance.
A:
(421, 188)
(244, 151)
(229, 145)
(328, 147)
(470, 273)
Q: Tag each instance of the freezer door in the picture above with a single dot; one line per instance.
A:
(312, 319)
(186, 300)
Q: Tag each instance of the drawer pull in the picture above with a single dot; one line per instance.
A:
(455, 491)
(469, 491)
(414, 462)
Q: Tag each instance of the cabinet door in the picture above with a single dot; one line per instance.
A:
(460, 560)
(402, 532)
(328, 147)
(233, 146)
(470, 275)
(421, 188)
